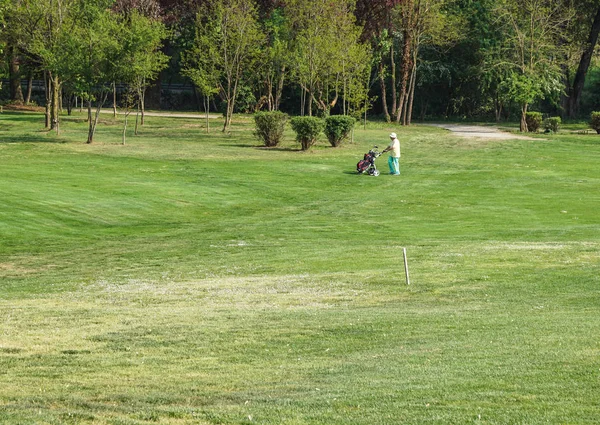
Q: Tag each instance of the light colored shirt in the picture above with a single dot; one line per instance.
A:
(395, 148)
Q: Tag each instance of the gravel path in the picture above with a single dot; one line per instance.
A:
(481, 132)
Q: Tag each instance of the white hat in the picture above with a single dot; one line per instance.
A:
(393, 135)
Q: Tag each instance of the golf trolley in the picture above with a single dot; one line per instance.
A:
(367, 164)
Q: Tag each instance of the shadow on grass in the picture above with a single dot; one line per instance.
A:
(28, 138)
(31, 117)
(261, 147)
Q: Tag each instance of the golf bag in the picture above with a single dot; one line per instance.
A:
(367, 164)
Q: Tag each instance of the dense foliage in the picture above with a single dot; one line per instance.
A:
(595, 121)
(552, 124)
(307, 130)
(534, 121)
(401, 59)
(337, 128)
(269, 127)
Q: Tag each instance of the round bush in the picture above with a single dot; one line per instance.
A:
(270, 127)
(552, 124)
(307, 130)
(595, 121)
(337, 128)
(534, 121)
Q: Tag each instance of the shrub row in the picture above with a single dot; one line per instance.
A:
(552, 124)
(535, 120)
(269, 128)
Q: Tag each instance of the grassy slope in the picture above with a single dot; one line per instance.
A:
(186, 278)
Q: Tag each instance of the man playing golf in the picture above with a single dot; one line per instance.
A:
(394, 159)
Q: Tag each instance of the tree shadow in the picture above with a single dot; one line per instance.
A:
(28, 138)
(261, 147)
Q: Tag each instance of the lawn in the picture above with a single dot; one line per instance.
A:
(194, 278)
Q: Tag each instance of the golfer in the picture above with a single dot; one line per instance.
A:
(394, 159)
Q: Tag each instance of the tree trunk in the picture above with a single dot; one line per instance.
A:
(383, 93)
(114, 87)
(137, 117)
(143, 101)
(411, 97)
(584, 64)
(498, 109)
(69, 103)
(94, 122)
(279, 88)
(16, 93)
(29, 87)
(406, 67)
(393, 75)
(47, 87)
(55, 104)
(270, 98)
(89, 108)
(206, 109)
(127, 111)
(523, 126)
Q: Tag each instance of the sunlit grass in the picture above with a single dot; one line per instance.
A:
(193, 278)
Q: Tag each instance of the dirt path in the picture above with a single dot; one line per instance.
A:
(481, 132)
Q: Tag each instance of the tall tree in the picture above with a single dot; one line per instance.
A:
(229, 34)
(590, 16)
(532, 29)
(11, 33)
(4, 4)
(43, 27)
(324, 32)
(433, 26)
(275, 57)
(375, 17)
(90, 53)
(199, 67)
(141, 58)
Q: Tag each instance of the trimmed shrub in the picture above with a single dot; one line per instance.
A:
(307, 130)
(337, 128)
(534, 121)
(552, 124)
(269, 127)
(595, 121)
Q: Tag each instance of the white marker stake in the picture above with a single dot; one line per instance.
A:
(406, 267)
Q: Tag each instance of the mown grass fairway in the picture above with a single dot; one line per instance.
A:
(187, 278)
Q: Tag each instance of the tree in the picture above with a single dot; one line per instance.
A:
(227, 31)
(198, 67)
(530, 50)
(431, 25)
(4, 4)
(44, 32)
(275, 57)
(10, 51)
(375, 17)
(589, 19)
(325, 36)
(141, 57)
(89, 54)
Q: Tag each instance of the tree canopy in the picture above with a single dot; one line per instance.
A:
(394, 58)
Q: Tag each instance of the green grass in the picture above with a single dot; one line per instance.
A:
(186, 278)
